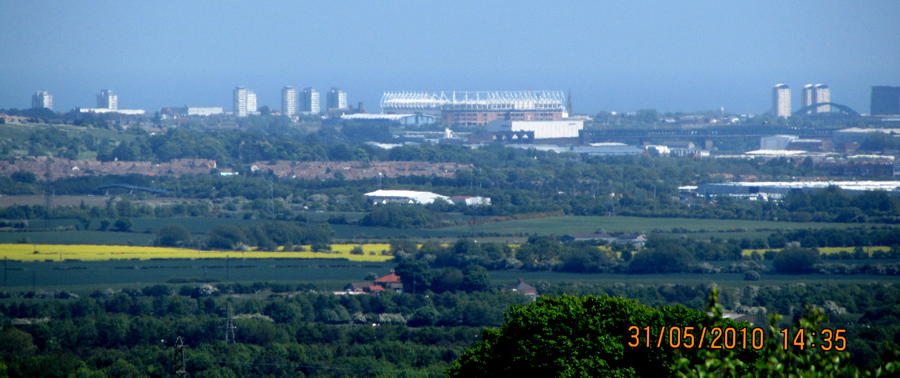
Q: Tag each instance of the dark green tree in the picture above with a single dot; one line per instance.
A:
(172, 234)
(796, 260)
(476, 278)
(663, 257)
(122, 225)
(415, 275)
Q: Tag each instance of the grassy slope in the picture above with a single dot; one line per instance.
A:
(16, 131)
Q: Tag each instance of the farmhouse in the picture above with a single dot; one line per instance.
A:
(523, 288)
(363, 287)
(390, 281)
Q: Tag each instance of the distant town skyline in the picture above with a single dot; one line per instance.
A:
(612, 56)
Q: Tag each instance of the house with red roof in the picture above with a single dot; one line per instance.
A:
(390, 281)
(523, 288)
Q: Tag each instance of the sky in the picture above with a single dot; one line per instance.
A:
(612, 55)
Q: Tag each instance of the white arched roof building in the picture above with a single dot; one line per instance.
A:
(404, 196)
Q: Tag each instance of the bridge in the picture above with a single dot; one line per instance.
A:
(812, 108)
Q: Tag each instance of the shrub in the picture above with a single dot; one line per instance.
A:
(751, 275)
(663, 259)
(172, 235)
(796, 260)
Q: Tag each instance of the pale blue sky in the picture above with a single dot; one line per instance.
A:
(613, 55)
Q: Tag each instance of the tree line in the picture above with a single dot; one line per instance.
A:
(289, 329)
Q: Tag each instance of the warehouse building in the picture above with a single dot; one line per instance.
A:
(380, 197)
(781, 188)
(541, 129)
(397, 119)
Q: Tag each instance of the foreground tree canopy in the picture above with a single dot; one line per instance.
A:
(589, 336)
(572, 336)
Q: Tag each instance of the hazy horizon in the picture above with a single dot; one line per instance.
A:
(613, 56)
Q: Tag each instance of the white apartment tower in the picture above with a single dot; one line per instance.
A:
(108, 100)
(42, 99)
(244, 102)
(781, 101)
(823, 94)
(310, 103)
(808, 96)
(337, 99)
(251, 103)
(289, 101)
(814, 94)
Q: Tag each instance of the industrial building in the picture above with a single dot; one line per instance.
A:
(781, 188)
(421, 198)
(117, 111)
(204, 112)
(594, 149)
(479, 108)
(399, 119)
(541, 129)
(792, 142)
(470, 200)
(403, 196)
(858, 135)
(776, 142)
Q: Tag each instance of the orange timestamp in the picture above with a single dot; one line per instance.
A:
(697, 337)
(730, 338)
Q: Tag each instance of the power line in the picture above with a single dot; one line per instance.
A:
(229, 326)
(179, 360)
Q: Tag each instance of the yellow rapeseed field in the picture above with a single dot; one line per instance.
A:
(57, 252)
(823, 250)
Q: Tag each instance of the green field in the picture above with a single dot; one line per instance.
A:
(331, 274)
(568, 225)
(143, 228)
(512, 232)
(78, 237)
(335, 274)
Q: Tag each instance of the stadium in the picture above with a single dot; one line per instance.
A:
(479, 108)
